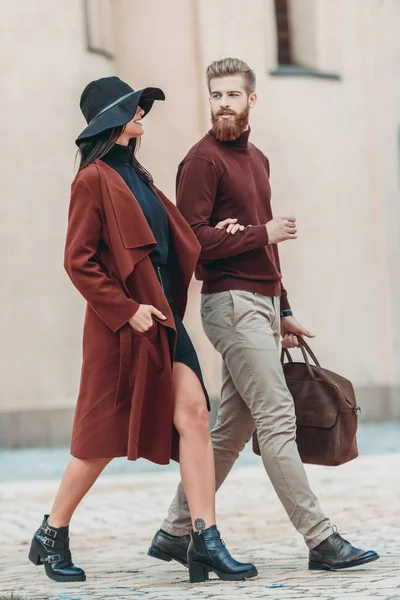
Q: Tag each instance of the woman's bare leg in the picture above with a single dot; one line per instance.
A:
(195, 449)
(78, 478)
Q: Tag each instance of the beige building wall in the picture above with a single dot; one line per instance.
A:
(44, 65)
(332, 144)
(332, 147)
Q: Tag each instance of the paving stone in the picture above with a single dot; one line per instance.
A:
(113, 527)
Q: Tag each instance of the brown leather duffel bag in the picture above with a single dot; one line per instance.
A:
(326, 411)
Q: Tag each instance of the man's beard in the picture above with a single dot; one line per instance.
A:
(228, 130)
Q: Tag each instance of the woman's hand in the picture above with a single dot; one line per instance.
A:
(142, 320)
(231, 226)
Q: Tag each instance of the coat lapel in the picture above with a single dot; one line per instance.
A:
(130, 234)
(132, 239)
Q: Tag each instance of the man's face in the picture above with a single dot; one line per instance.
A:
(230, 106)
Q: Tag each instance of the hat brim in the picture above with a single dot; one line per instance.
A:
(123, 112)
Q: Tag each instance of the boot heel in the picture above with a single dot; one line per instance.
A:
(198, 573)
(34, 555)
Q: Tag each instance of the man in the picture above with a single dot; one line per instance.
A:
(245, 310)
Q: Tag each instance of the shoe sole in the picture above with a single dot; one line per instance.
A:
(320, 566)
(163, 556)
(60, 578)
(242, 576)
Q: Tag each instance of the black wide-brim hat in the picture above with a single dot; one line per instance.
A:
(110, 102)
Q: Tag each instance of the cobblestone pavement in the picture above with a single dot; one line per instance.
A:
(112, 529)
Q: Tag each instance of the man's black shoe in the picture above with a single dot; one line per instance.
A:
(337, 553)
(170, 547)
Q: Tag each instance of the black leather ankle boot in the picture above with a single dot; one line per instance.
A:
(207, 552)
(50, 547)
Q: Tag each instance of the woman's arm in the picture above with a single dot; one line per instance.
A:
(103, 293)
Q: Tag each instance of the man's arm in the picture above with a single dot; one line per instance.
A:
(284, 299)
(285, 305)
(196, 190)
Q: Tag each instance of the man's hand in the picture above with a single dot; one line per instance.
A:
(281, 229)
(142, 320)
(290, 328)
(231, 226)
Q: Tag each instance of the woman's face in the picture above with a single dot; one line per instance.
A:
(134, 127)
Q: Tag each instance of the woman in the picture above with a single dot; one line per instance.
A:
(131, 255)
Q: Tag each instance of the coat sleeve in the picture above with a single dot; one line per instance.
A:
(103, 293)
(196, 190)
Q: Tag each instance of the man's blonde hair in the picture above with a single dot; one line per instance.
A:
(232, 66)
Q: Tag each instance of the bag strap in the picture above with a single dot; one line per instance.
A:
(285, 353)
(305, 346)
(305, 350)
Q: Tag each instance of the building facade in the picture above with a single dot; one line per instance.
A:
(327, 117)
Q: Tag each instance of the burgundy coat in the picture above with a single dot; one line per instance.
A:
(125, 402)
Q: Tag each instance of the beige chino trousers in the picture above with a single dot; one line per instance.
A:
(244, 328)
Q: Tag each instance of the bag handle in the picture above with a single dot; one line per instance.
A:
(305, 350)
(305, 347)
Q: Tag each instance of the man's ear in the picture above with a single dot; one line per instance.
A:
(252, 100)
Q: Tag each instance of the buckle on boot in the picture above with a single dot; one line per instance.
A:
(52, 558)
(51, 532)
(45, 540)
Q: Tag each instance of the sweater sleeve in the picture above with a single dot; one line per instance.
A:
(103, 293)
(197, 184)
(284, 299)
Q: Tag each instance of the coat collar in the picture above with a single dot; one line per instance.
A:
(115, 189)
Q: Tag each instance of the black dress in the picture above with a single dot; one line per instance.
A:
(119, 158)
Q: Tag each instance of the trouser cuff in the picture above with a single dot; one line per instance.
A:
(173, 529)
(321, 537)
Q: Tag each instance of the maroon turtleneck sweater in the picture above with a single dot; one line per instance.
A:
(219, 180)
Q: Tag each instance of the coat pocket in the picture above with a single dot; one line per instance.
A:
(150, 334)
(243, 309)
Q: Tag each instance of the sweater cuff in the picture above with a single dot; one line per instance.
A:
(284, 303)
(259, 234)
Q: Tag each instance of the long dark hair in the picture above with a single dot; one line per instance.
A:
(98, 145)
